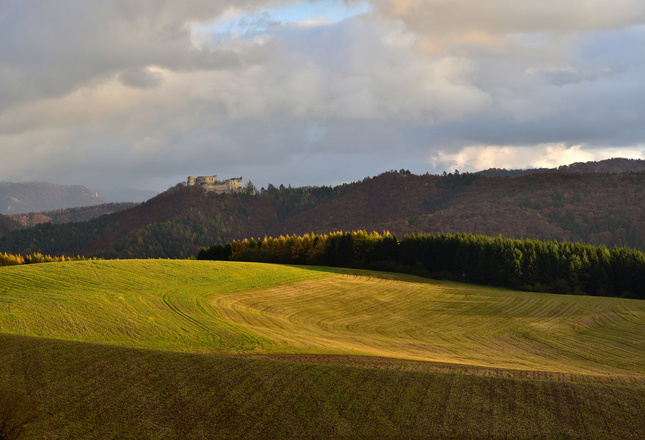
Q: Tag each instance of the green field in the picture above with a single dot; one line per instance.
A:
(193, 349)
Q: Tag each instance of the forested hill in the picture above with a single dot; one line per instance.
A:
(42, 196)
(615, 165)
(7, 225)
(595, 208)
(592, 208)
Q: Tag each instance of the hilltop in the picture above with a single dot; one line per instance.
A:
(593, 208)
(596, 208)
(615, 165)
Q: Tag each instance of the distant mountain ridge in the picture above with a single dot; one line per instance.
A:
(25, 197)
(615, 165)
(79, 214)
(595, 208)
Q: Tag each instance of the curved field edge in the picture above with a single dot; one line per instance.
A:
(81, 390)
(227, 307)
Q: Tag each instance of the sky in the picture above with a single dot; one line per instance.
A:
(143, 93)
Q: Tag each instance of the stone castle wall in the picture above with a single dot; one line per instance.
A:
(211, 184)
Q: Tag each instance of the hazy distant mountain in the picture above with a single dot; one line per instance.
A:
(42, 196)
(596, 208)
(79, 214)
(616, 165)
(7, 225)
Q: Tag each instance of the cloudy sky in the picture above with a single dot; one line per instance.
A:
(142, 93)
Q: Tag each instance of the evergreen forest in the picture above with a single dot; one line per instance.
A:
(531, 265)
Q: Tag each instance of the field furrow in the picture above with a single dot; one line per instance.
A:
(225, 307)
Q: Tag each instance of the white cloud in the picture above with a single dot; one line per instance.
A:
(150, 90)
(482, 157)
(494, 24)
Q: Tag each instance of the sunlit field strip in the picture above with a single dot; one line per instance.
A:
(224, 307)
(132, 303)
(447, 322)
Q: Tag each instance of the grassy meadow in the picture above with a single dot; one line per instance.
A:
(201, 349)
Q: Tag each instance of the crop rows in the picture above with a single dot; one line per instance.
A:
(95, 391)
(218, 307)
(188, 349)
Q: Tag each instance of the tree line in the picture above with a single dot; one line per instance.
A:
(16, 260)
(531, 265)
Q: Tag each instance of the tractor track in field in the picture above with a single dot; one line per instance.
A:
(176, 310)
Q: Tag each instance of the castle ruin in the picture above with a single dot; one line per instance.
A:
(211, 184)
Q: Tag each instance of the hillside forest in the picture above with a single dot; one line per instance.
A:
(598, 209)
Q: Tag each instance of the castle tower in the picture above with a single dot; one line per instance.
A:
(211, 184)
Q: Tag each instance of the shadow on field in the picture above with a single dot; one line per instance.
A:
(17, 410)
(93, 391)
(382, 275)
(386, 363)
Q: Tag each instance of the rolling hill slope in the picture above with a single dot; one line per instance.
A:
(189, 349)
(232, 307)
(92, 391)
